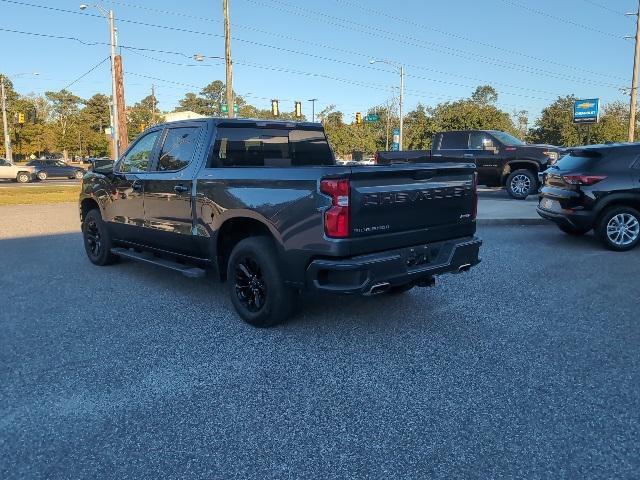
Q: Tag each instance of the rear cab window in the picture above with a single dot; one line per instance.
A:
(270, 147)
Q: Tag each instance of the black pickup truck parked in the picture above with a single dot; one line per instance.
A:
(264, 205)
(501, 159)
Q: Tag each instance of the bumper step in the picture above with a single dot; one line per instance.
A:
(146, 257)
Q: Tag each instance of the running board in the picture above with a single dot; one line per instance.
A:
(147, 257)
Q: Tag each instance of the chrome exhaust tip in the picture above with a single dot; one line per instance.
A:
(377, 289)
(464, 268)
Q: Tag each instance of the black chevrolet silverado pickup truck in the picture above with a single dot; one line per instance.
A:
(501, 159)
(264, 206)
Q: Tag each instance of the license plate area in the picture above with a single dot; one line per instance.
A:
(417, 256)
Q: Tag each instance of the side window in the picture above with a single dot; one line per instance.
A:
(3, 163)
(454, 141)
(480, 141)
(137, 159)
(178, 148)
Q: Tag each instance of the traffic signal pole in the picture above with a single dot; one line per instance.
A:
(5, 125)
(634, 83)
(401, 100)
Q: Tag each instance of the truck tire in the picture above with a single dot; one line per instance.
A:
(521, 184)
(23, 177)
(619, 228)
(257, 289)
(42, 175)
(97, 241)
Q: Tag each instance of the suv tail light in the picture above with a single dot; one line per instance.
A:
(337, 217)
(474, 211)
(580, 179)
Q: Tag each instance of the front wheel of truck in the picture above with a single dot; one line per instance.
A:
(257, 289)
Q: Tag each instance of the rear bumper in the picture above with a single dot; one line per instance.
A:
(579, 219)
(357, 275)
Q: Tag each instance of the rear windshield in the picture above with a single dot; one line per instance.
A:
(270, 147)
(575, 163)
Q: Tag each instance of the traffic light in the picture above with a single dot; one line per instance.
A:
(275, 109)
(142, 127)
(298, 109)
(358, 118)
(21, 117)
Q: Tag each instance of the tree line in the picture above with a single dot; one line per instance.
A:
(62, 123)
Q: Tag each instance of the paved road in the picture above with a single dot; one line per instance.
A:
(526, 367)
(53, 182)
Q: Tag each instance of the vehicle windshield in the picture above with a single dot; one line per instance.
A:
(508, 140)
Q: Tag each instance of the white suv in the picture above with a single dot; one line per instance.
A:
(18, 173)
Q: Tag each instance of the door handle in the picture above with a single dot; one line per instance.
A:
(468, 155)
(180, 189)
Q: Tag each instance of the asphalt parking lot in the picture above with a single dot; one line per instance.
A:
(526, 367)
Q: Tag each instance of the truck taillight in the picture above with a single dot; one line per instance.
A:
(474, 212)
(583, 179)
(376, 156)
(337, 217)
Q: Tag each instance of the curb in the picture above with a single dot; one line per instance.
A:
(512, 221)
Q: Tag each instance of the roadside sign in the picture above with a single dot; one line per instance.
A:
(395, 146)
(586, 111)
(372, 118)
(225, 109)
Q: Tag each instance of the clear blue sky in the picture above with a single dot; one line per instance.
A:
(531, 51)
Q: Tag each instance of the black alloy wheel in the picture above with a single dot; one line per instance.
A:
(250, 287)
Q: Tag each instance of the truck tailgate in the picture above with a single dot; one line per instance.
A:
(430, 198)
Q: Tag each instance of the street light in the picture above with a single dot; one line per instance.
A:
(401, 71)
(115, 123)
(5, 124)
(313, 108)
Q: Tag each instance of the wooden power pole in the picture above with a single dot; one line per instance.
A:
(123, 135)
(634, 84)
(227, 56)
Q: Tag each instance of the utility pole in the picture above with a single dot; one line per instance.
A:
(115, 128)
(153, 104)
(313, 108)
(634, 83)
(5, 125)
(227, 56)
(401, 99)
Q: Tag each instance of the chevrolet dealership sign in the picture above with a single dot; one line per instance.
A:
(586, 111)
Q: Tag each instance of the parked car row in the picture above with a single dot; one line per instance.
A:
(39, 170)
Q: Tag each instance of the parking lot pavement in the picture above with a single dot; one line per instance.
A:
(528, 366)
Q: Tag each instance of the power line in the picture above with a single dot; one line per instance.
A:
(561, 19)
(387, 15)
(604, 7)
(86, 73)
(377, 32)
(412, 41)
